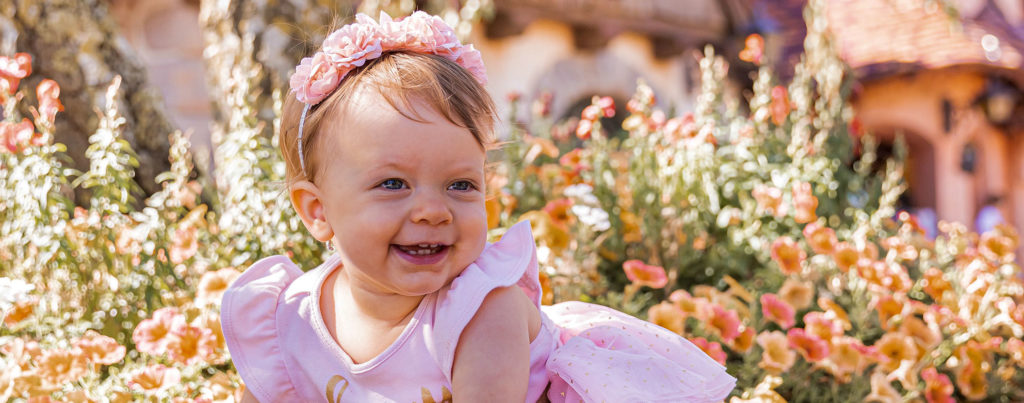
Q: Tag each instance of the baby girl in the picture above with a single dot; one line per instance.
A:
(385, 136)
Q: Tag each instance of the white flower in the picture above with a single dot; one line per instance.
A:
(13, 291)
(593, 217)
(582, 192)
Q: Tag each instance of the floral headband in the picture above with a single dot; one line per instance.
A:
(353, 45)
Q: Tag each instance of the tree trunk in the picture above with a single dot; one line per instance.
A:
(274, 35)
(76, 43)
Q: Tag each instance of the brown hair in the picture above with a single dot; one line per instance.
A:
(400, 77)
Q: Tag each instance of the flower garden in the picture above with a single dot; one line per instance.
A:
(763, 230)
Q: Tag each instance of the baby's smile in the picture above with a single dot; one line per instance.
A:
(423, 253)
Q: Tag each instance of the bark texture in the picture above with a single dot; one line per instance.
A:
(275, 34)
(76, 43)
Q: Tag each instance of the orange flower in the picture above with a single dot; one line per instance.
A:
(547, 232)
(493, 207)
(887, 307)
(754, 49)
(58, 366)
(547, 293)
(667, 316)
(882, 390)
(779, 106)
(777, 356)
(847, 356)
(209, 320)
(971, 381)
(999, 244)
(630, 227)
(900, 247)
(769, 199)
(213, 284)
(184, 244)
(744, 341)
(812, 348)
(835, 312)
(155, 378)
(150, 336)
(935, 283)
(821, 238)
(818, 324)
(723, 321)
(645, 275)
(558, 209)
(100, 349)
(798, 294)
(711, 348)
(926, 335)
(845, 256)
(893, 349)
(189, 344)
(21, 310)
(804, 203)
(788, 255)
(777, 310)
(937, 387)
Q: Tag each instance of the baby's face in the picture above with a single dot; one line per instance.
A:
(405, 199)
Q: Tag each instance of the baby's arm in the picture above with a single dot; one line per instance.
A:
(492, 359)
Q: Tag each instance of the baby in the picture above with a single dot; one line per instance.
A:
(385, 135)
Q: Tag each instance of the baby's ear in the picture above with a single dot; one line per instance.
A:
(306, 201)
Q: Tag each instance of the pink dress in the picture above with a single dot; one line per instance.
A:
(283, 351)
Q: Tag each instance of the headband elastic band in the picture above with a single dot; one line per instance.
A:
(302, 124)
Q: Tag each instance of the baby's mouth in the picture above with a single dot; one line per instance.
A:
(423, 249)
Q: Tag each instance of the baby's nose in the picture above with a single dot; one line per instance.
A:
(431, 208)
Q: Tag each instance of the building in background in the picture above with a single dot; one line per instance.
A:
(953, 91)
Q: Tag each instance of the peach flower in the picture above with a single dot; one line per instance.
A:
(788, 254)
(971, 381)
(754, 49)
(188, 344)
(847, 356)
(822, 239)
(667, 316)
(558, 209)
(811, 347)
(155, 378)
(835, 312)
(151, 335)
(887, 307)
(818, 324)
(893, 349)
(999, 244)
(645, 275)
(59, 366)
(769, 199)
(777, 310)
(780, 105)
(845, 255)
(804, 203)
(213, 284)
(798, 294)
(882, 390)
(711, 348)
(686, 303)
(937, 387)
(926, 335)
(100, 349)
(777, 356)
(935, 284)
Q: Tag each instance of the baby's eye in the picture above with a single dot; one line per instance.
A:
(392, 184)
(462, 186)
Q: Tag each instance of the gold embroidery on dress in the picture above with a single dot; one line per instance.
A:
(332, 384)
(446, 395)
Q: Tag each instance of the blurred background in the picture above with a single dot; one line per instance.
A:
(949, 81)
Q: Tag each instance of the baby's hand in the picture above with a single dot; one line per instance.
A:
(492, 359)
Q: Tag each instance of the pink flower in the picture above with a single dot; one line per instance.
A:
(812, 348)
(15, 136)
(938, 388)
(151, 335)
(353, 44)
(13, 69)
(315, 78)
(725, 322)
(788, 254)
(777, 310)
(643, 274)
(47, 91)
(712, 348)
(100, 349)
(821, 238)
(189, 344)
(805, 203)
(818, 324)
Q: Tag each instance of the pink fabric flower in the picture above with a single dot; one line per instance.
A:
(366, 39)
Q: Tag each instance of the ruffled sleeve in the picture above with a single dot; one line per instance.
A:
(511, 260)
(249, 322)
